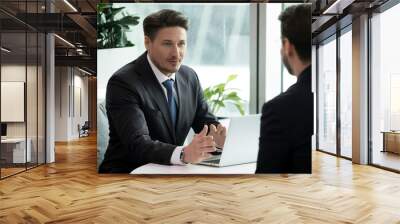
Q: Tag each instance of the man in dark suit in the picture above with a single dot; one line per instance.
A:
(153, 101)
(287, 120)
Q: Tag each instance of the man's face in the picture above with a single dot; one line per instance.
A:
(167, 49)
(285, 52)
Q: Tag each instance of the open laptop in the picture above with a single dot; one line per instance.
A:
(241, 144)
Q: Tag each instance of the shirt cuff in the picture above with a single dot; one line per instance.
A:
(175, 158)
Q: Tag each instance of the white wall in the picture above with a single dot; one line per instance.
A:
(33, 126)
(71, 93)
(62, 81)
(80, 83)
(17, 73)
(14, 73)
(108, 62)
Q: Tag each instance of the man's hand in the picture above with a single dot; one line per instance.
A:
(200, 147)
(219, 134)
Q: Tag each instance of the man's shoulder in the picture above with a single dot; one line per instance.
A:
(289, 102)
(282, 104)
(279, 101)
(187, 73)
(127, 71)
(131, 70)
(128, 74)
(186, 69)
(294, 93)
(126, 77)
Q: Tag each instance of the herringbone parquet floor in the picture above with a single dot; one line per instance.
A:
(71, 191)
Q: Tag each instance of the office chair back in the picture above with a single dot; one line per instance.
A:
(102, 132)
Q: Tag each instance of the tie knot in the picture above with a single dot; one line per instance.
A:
(168, 83)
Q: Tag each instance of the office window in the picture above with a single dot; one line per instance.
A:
(346, 94)
(22, 93)
(13, 84)
(218, 46)
(385, 89)
(327, 96)
(35, 89)
(288, 79)
(41, 80)
(274, 67)
(277, 78)
(314, 90)
(31, 99)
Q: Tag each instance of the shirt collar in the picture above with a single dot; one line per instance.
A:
(305, 75)
(159, 75)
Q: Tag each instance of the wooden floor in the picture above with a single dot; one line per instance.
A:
(71, 191)
(387, 159)
(10, 171)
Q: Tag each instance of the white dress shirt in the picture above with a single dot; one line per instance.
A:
(161, 77)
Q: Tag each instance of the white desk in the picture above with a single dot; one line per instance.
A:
(152, 168)
(18, 149)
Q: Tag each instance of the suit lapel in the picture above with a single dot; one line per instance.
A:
(179, 90)
(156, 92)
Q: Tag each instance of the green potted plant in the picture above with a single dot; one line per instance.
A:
(114, 49)
(219, 95)
(112, 25)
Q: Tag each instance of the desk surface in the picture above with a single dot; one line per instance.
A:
(152, 168)
(13, 140)
(390, 132)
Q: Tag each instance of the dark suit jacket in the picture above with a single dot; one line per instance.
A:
(286, 130)
(140, 125)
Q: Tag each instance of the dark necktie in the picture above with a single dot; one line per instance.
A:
(169, 85)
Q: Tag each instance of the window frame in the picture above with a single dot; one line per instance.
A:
(379, 10)
(333, 37)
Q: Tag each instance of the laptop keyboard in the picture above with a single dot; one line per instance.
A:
(216, 161)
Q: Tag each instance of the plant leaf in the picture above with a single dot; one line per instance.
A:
(114, 12)
(220, 103)
(128, 21)
(232, 96)
(220, 88)
(207, 93)
(111, 33)
(231, 78)
(102, 6)
(240, 108)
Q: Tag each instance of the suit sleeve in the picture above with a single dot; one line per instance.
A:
(125, 113)
(203, 113)
(273, 143)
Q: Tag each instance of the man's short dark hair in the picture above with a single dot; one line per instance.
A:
(296, 27)
(161, 19)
